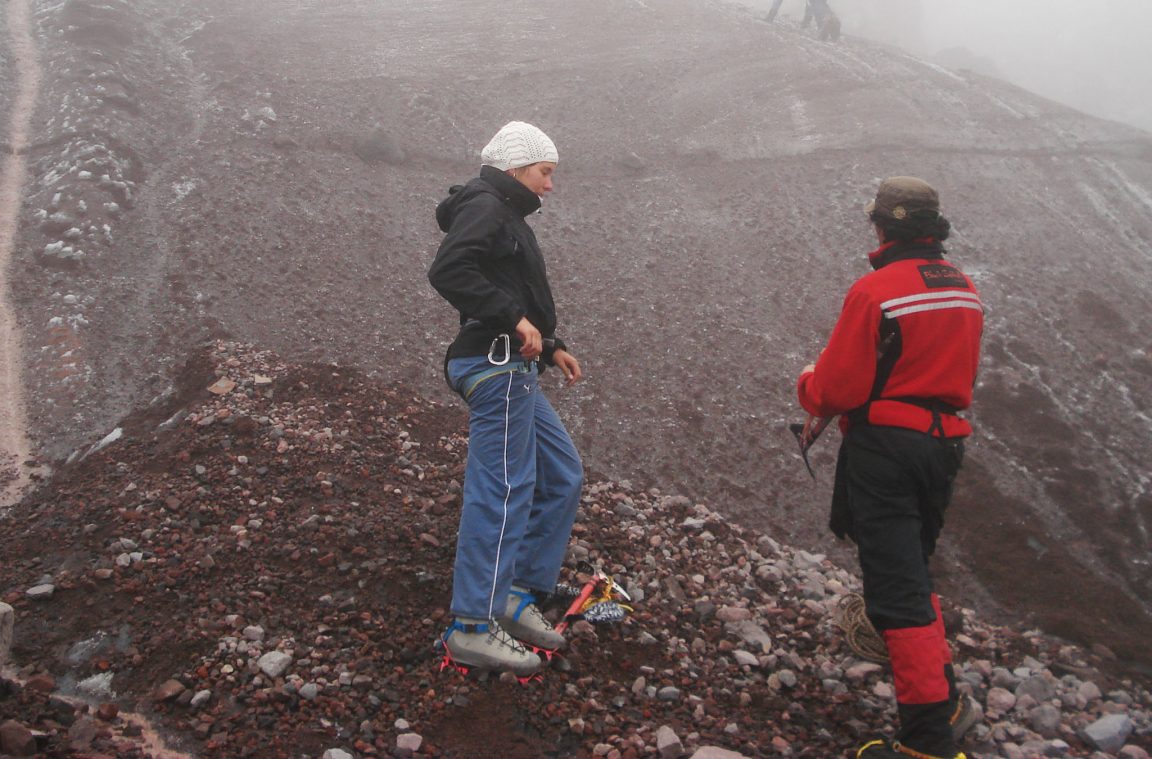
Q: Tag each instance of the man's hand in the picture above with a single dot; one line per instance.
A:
(568, 364)
(808, 368)
(813, 426)
(531, 342)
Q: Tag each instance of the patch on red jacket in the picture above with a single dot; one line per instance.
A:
(942, 275)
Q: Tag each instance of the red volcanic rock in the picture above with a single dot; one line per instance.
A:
(16, 739)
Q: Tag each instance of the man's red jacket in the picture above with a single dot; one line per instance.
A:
(906, 346)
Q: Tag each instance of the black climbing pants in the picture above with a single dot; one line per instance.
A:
(892, 488)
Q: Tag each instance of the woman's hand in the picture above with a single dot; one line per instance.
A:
(531, 342)
(567, 363)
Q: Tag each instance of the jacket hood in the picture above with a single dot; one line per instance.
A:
(494, 182)
(446, 209)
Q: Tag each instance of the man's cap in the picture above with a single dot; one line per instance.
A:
(900, 197)
(518, 144)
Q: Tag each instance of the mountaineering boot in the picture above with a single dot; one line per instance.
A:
(966, 714)
(964, 711)
(524, 621)
(880, 749)
(923, 702)
(484, 645)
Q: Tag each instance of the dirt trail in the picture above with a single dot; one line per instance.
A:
(14, 444)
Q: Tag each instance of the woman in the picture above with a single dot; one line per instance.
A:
(523, 477)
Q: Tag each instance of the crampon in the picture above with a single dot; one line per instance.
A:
(447, 662)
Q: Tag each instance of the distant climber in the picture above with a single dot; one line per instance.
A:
(814, 10)
(829, 28)
(898, 369)
(827, 22)
(523, 476)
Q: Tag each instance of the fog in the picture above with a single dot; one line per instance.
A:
(1092, 55)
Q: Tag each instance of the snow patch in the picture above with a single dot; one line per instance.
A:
(107, 440)
(1099, 205)
(1136, 191)
(182, 189)
(946, 72)
(801, 122)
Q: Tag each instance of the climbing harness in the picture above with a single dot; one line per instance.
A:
(470, 383)
(500, 364)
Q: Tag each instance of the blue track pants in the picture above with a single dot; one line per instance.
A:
(521, 488)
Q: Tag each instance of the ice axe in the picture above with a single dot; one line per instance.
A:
(599, 590)
(806, 435)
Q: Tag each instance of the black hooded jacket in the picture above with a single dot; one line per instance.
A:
(489, 265)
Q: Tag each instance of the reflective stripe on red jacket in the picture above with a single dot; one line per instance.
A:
(907, 341)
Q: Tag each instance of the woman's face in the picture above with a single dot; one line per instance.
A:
(537, 177)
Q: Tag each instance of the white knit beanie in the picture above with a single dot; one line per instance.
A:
(518, 144)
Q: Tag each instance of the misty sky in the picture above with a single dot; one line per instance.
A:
(1092, 54)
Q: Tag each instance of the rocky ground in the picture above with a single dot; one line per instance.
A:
(258, 563)
(267, 169)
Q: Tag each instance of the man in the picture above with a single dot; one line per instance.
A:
(898, 370)
(829, 27)
(816, 10)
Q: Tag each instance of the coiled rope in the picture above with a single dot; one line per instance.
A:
(859, 633)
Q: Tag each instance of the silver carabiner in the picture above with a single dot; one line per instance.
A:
(507, 350)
